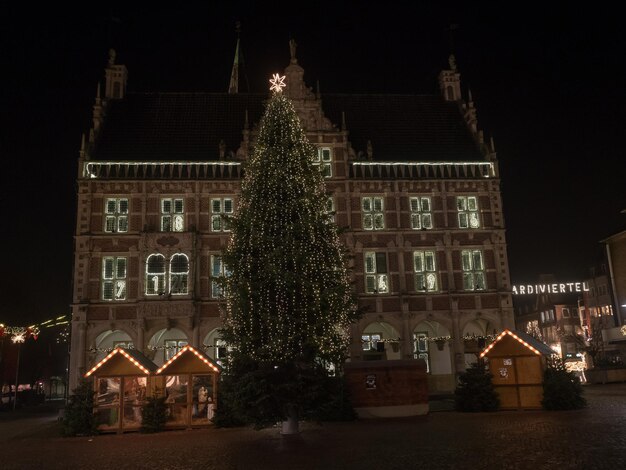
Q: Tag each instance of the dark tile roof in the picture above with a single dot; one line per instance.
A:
(404, 127)
(174, 126)
(190, 126)
(543, 348)
(141, 359)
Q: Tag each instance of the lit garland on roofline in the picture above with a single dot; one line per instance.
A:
(18, 334)
(435, 339)
(150, 348)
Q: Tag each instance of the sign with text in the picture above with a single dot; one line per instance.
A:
(555, 288)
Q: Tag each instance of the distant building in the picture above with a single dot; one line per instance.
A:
(603, 309)
(410, 176)
(553, 319)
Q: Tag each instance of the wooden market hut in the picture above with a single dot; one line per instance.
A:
(517, 362)
(189, 381)
(122, 383)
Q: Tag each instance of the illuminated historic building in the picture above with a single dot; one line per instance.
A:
(551, 315)
(409, 176)
(603, 308)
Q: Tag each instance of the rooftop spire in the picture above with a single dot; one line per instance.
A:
(233, 86)
(292, 50)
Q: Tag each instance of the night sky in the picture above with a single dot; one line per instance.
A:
(548, 87)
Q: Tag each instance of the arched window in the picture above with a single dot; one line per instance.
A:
(179, 273)
(155, 274)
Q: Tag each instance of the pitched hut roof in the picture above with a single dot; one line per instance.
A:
(124, 362)
(189, 360)
(528, 341)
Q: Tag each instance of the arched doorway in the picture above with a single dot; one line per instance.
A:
(214, 346)
(432, 342)
(108, 340)
(165, 343)
(475, 338)
(380, 340)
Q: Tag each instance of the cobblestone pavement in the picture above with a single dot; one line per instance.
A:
(593, 438)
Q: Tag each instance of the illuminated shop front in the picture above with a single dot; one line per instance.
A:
(125, 377)
(121, 383)
(189, 380)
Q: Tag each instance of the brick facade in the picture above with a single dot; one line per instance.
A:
(448, 310)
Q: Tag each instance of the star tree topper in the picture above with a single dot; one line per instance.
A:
(278, 83)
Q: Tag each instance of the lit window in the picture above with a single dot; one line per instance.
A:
(373, 215)
(330, 208)
(155, 275)
(473, 270)
(420, 347)
(179, 274)
(221, 351)
(116, 215)
(172, 215)
(370, 341)
(467, 207)
(172, 346)
(421, 216)
(324, 158)
(376, 277)
(113, 278)
(220, 208)
(425, 271)
(218, 270)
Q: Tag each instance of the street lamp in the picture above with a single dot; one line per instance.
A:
(18, 339)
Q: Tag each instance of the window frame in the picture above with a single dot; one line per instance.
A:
(160, 276)
(115, 278)
(325, 163)
(117, 215)
(373, 214)
(183, 287)
(379, 276)
(370, 341)
(172, 220)
(466, 214)
(223, 225)
(421, 353)
(217, 292)
(172, 350)
(421, 219)
(471, 272)
(425, 270)
(165, 278)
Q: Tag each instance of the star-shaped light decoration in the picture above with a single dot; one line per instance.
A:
(19, 337)
(278, 83)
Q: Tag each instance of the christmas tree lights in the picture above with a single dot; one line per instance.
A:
(289, 291)
(288, 295)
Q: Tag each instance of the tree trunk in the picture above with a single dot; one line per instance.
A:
(291, 425)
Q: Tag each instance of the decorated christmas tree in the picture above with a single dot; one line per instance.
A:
(288, 293)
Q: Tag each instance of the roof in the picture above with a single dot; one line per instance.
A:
(615, 236)
(189, 360)
(190, 126)
(532, 343)
(140, 364)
